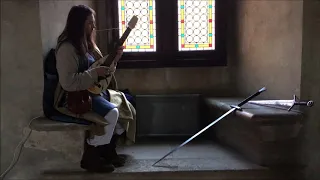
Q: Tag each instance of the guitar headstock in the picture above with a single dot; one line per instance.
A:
(133, 22)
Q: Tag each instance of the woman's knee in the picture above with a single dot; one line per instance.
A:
(112, 116)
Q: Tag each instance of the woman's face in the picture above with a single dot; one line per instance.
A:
(90, 24)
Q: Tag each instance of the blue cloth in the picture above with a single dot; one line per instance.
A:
(69, 119)
(100, 105)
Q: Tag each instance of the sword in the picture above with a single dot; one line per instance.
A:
(234, 107)
(281, 103)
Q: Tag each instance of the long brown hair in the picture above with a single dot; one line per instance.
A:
(74, 30)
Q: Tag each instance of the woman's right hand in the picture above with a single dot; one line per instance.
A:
(103, 71)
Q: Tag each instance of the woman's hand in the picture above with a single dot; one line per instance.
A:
(103, 71)
(113, 66)
(119, 55)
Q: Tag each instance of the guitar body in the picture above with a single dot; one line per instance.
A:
(96, 89)
(103, 82)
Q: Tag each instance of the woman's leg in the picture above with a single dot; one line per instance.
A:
(99, 145)
(112, 118)
(119, 132)
(105, 142)
(91, 159)
(119, 129)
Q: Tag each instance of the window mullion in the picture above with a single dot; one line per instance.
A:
(167, 28)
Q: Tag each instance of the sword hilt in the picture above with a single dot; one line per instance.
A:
(252, 96)
(303, 103)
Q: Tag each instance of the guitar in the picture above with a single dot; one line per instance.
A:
(102, 83)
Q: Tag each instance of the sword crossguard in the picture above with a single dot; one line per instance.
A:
(237, 107)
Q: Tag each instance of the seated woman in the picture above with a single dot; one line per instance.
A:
(75, 52)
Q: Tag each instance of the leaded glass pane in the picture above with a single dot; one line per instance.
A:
(143, 36)
(196, 25)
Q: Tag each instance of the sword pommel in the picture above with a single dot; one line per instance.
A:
(310, 103)
(262, 89)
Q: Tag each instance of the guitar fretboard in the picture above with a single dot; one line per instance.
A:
(114, 50)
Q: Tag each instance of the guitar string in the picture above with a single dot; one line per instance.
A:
(99, 30)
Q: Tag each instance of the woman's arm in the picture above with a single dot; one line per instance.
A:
(67, 67)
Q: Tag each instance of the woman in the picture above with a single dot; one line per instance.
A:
(75, 52)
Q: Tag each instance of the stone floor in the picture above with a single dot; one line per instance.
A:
(201, 156)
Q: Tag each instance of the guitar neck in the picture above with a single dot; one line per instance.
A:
(115, 48)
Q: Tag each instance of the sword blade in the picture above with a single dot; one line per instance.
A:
(273, 102)
(198, 133)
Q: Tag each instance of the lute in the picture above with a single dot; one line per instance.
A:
(102, 83)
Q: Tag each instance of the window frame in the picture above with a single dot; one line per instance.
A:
(168, 54)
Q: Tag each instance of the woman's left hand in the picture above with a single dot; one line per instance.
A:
(119, 54)
(113, 66)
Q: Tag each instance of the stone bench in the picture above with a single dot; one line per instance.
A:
(44, 124)
(265, 135)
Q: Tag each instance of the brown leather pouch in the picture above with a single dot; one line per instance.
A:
(79, 102)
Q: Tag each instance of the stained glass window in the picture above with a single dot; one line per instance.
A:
(196, 25)
(142, 37)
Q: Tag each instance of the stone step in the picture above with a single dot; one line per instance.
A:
(179, 166)
(200, 159)
(169, 173)
(175, 168)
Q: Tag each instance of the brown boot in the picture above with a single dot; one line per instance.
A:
(92, 161)
(120, 158)
(109, 153)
